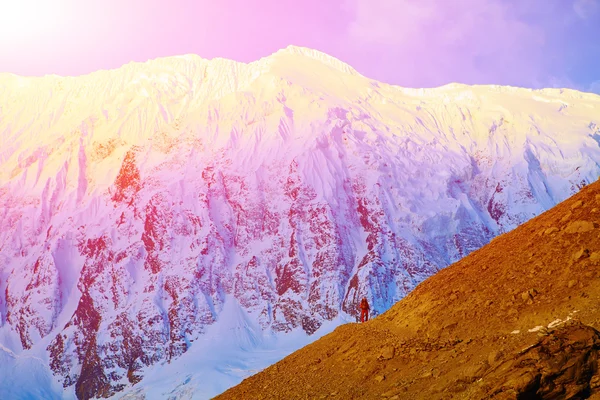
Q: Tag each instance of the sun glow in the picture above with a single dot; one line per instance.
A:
(30, 19)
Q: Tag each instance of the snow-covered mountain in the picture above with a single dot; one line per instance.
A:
(137, 204)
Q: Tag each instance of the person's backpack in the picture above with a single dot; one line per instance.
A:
(363, 304)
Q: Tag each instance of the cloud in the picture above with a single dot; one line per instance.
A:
(586, 8)
(472, 41)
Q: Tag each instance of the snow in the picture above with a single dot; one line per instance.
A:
(536, 329)
(229, 351)
(26, 378)
(553, 324)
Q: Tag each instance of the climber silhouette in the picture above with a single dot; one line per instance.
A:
(364, 310)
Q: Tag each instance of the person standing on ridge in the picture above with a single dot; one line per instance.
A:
(364, 310)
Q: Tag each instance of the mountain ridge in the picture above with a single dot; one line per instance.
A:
(291, 50)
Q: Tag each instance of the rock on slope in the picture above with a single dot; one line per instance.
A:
(133, 202)
(515, 319)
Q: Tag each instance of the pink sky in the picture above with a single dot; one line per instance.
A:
(409, 42)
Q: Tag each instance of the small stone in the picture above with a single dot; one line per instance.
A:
(579, 227)
(453, 297)
(389, 393)
(529, 295)
(550, 230)
(426, 374)
(576, 205)
(595, 382)
(567, 217)
(571, 283)
(583, 253)
(387, 353)
(493, 357)
(489, 303)
(380, 378)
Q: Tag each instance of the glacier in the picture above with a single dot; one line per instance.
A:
(186, 218)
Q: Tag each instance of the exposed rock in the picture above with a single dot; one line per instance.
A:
(550, 230)
(387, 353)
(390, 394)
(529, 294)
(561, 366)
(566, 217)
(583, 253)
(494, 356)
(576, 205)
(579, 227)
(572, 283)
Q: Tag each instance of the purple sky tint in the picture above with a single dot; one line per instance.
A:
(415, 43)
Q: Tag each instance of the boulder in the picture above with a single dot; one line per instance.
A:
(562, 365)
(387, 353)
(579, 227)
(576, 205)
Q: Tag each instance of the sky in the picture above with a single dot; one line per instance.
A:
(412, 43)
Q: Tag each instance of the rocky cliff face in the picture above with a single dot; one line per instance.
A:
(134, 201)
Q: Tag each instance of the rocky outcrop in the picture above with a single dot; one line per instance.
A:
(562, 365)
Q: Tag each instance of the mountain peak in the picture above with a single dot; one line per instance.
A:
(144, 206)
(314, 54)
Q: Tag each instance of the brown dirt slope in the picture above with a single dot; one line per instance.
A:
(513, 320)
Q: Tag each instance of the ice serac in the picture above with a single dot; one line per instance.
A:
(135, 203)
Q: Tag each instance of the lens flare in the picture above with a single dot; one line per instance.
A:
(29, 19)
